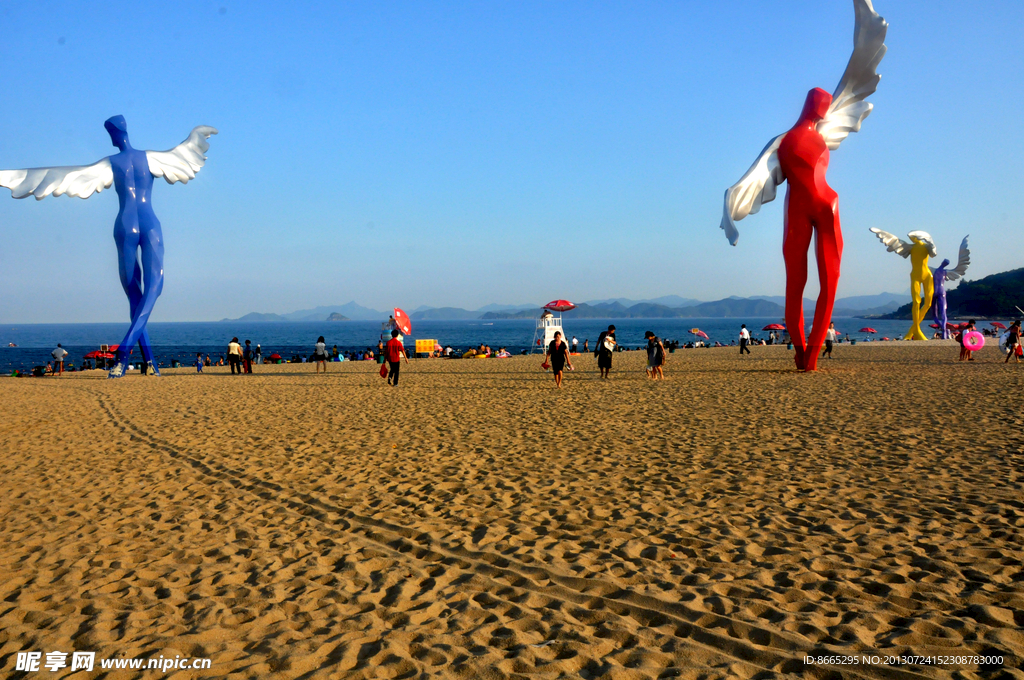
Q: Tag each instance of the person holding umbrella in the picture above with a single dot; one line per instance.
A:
(558, 354)
(394, 351)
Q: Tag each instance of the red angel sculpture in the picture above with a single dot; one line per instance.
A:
(812, 207)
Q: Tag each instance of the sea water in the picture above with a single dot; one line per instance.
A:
(181, 341)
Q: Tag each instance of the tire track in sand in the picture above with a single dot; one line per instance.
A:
(775, 651)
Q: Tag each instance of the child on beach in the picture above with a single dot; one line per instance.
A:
(199, 362)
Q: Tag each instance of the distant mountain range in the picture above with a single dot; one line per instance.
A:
(668, 306)
(999, 296)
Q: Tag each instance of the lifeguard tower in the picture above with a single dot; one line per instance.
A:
(548, 324)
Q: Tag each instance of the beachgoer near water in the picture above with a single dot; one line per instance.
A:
(247, 357)
(558, 354)
(655, 356)
(258, 354)
(58, 359)
(235, 356)
(586, 346)
(964, 352)
(830, 337)
(199, 362)
(1013, 342)
(603, 351)
(744, 339)
(320, 354)
(575, 345)
(207, 361)
(394, 351)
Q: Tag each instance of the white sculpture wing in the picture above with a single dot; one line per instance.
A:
(894, 243)
(81, 181)
(181, 163)
(848, 109)
(962, 263)
(756, 187)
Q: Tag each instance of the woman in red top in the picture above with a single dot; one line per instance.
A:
(394, 351)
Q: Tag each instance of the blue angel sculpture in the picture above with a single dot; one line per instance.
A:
(939, 276)
(140, 243)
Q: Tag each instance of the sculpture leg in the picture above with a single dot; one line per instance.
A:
(941, 317)
(130, 273)
(829, 252)
(919, 308)
(134, 292)
(929, 292)
(795, 243)
(153, 275)
(915, 310)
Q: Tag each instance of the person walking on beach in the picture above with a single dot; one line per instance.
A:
(394, 352)
(830, 337)
(575, 345)
(964, 352)
(603, 351)
(235, 356)
(1013, 342)
(199, 362)
(58, 359)
(247, 357)
(744, 339)
(655, 356)
(320, 354)
(258, 354)
(586, 346)
(558, 355)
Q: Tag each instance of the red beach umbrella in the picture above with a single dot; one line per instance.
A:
(933, 325)
(274, 357)
(559, 306)
(98, 355)
(402, 321)
(774, 327)
(996, 324)
(868, 330)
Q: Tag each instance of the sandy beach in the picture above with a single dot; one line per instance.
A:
(477, 523)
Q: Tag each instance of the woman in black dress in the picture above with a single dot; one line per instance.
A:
(558, 354)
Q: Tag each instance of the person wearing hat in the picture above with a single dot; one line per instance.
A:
(603, 350)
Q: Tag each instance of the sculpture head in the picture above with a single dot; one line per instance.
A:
(816, 105)
(923, 238)
(117, 128)
(945, 263)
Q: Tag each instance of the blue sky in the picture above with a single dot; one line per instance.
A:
(457, 154)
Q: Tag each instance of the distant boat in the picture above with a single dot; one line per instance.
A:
(487, 324)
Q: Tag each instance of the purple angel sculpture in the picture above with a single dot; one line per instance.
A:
(940, 275)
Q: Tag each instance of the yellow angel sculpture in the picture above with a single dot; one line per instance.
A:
(919, 250)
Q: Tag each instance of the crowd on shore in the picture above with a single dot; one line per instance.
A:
(241, 356)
